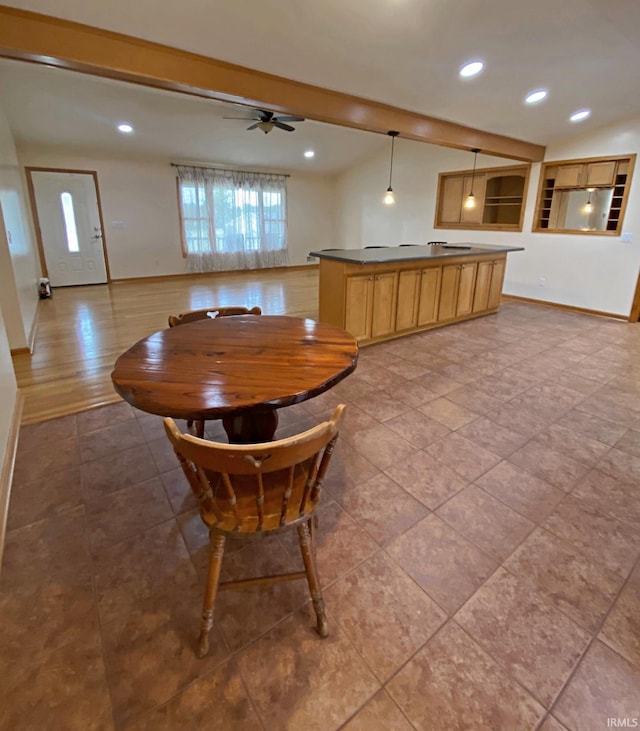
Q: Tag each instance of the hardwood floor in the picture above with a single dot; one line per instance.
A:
(82, 330)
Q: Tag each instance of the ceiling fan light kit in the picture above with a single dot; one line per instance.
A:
(266, 121)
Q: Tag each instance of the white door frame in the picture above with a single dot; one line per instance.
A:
(36, 220)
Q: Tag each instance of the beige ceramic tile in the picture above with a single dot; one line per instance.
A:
(532, 640)
(493, 437)
(379, 714)
(447, 566)
(384, 613)
(486, 522)
(451, 684)
(467, 458)
(427, 479)
(580, 588)
(621, 630)
(217, 702)
(605, 686)
(418, 428)
(556, 468)
(528, 495)
(382, 508)
(43, 498)
(306, 676)
(600, 537)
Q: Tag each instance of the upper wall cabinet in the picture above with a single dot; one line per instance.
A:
(499, 195)
(587, 196)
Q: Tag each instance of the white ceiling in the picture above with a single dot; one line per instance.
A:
(407, 52)
(49, 106)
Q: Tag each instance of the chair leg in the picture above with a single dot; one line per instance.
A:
(308, 556)
(196, 427)
(216, 543)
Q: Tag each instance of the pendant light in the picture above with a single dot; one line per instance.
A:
(389, 198)
(588, 208)
(471, 199)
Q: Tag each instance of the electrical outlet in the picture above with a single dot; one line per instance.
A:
(627, 237)
(542, 281)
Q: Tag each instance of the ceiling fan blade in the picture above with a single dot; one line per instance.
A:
(286, 127)
(246, 119)
(290, 119)
(255, 126)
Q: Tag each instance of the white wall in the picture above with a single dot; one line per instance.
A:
(10, 288)
(141, 195)
(594, 272)
(19, 265)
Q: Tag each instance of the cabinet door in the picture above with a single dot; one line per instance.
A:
(408, 297)
(601, 173)
(358, 306)
(385, 289)
(429, 295)
(483, 283)
(451, 199)
(570, 176)
(497, 279)
(466, 286)
(448, 292)
(473, 215)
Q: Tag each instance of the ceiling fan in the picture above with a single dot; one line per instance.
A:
(266, 121)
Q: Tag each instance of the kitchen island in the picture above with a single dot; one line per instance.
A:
(385, 292)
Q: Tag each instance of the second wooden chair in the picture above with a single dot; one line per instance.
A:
(197, 427)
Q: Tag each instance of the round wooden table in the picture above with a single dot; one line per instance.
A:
(239, 369)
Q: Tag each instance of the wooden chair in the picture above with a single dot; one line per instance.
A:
(211, 312)
(197, 427)
(256, 489)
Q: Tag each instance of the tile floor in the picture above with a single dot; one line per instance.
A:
(479, 543)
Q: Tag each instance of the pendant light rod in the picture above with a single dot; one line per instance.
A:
(475, 151)
(393, 134)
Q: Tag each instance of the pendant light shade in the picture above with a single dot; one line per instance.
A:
(470, 202)
(389, 198)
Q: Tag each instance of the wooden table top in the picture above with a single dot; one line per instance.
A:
(213, 368)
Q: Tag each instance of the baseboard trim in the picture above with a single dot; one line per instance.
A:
(6, 473)
(232, 272)
(559, 306)
(30, 340)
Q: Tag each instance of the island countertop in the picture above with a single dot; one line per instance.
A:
(387, 254)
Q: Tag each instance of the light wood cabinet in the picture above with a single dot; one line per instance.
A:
(586, 174)
(383, 319)
(408, 299)
(430, 281)
(488, 289)
(371, 305)
(456, 292)
(499, 196)
(376, 302)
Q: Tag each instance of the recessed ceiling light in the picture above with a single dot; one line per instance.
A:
(126, 129)
(579, 116)
(536, 96)
(471, 69)
(309, 153)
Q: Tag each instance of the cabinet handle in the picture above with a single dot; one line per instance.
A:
(370, 279)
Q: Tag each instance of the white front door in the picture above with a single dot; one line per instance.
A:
(67, 205)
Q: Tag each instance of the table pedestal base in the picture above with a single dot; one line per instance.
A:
(251, 427)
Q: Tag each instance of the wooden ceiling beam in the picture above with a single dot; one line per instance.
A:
(50, 41)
